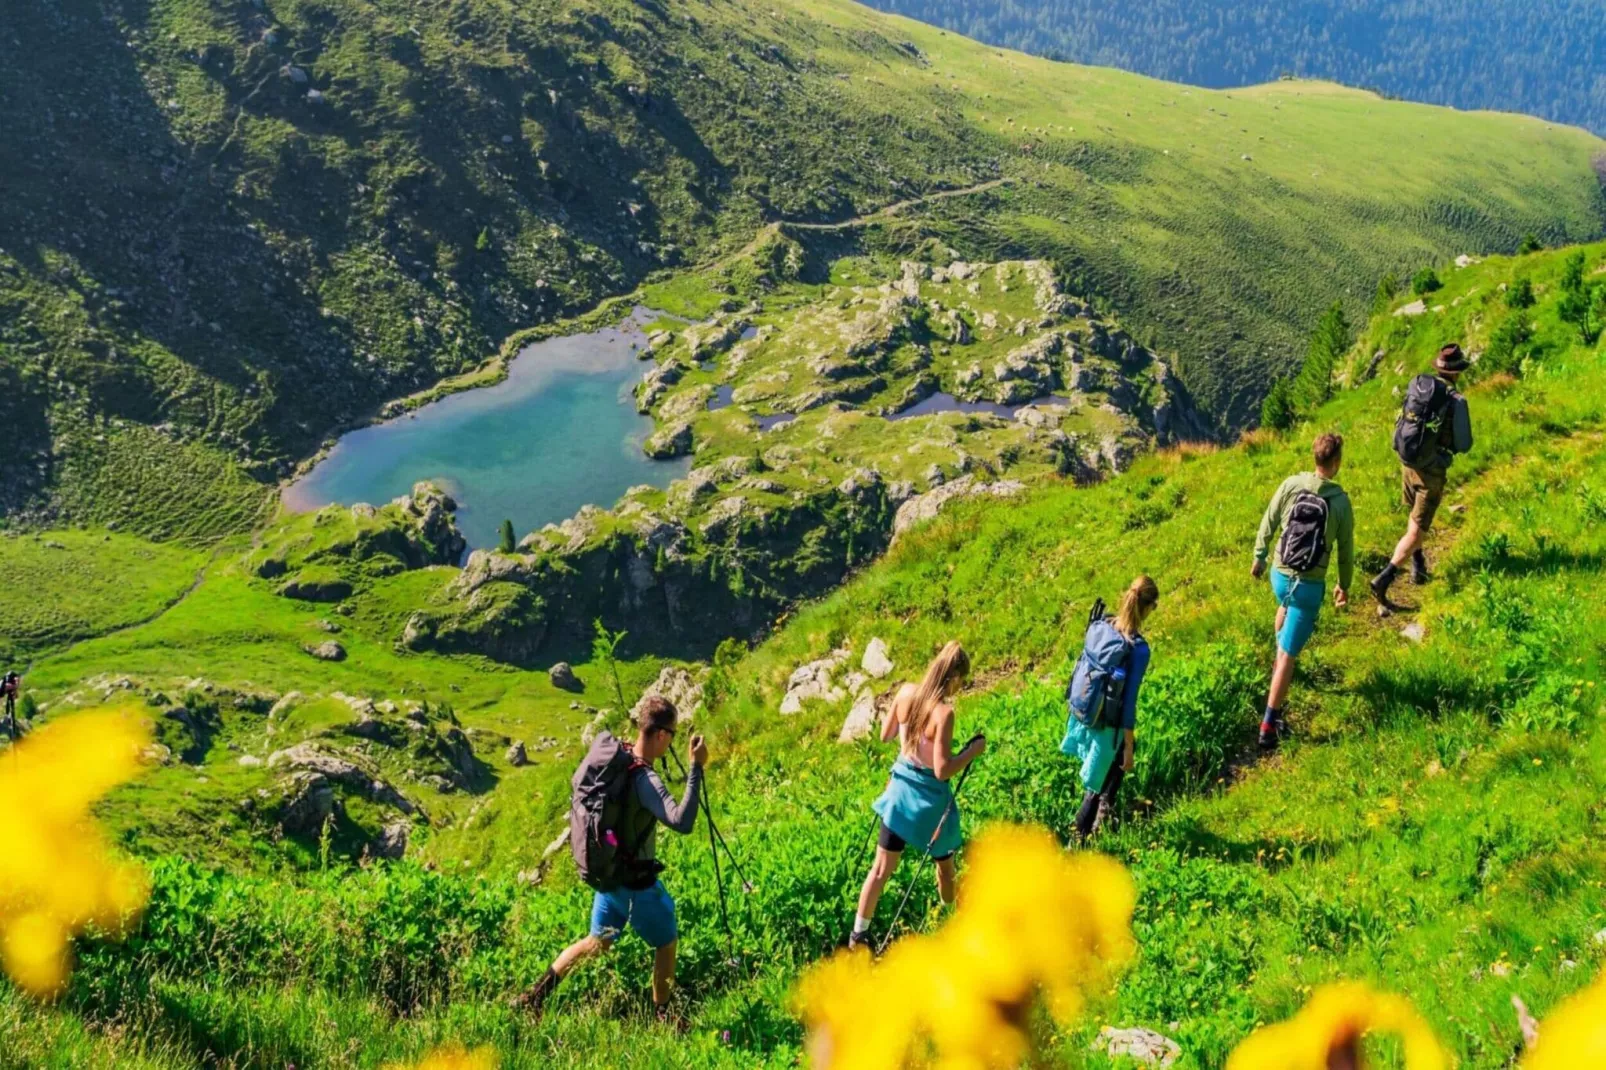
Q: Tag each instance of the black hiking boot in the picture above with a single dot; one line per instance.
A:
(1380, 590)
(860, 941)
(533, 1000)
(1419, 568)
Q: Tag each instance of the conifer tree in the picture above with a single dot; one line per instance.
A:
(509, 544)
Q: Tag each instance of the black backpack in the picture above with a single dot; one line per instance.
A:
(1304, 540)
(1416, 432)
(607, 828)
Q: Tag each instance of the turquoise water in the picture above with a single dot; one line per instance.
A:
(562, 431)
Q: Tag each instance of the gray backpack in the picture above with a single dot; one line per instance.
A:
(607, 828)
(1098, 683)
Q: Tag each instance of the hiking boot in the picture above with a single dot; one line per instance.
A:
(859, 941)
(1273, 734)
(533, 1000)
(1419, 568)
(1380, 590)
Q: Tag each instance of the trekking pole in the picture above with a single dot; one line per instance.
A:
(914, 880)
(717, 837)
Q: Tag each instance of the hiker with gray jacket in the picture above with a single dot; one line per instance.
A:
(618, 804)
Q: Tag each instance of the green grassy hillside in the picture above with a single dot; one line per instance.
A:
(231, 228)
(1434, 827)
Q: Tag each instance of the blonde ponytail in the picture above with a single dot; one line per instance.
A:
(1136, 604)
(952, 663)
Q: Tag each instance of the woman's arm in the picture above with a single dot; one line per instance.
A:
(894, 715)
(946, 764)
(1134, 681)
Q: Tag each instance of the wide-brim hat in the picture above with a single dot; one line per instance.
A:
(1451, 361)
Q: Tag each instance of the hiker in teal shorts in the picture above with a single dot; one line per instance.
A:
(918, 805)
(1108, 675)
(1314, 515)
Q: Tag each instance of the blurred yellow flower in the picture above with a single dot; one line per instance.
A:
(1327, 1032)
(452, 1057)
(1575, 1035)
(1032, 922)
(56, 875)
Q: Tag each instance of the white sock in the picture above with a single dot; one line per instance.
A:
(861, 924)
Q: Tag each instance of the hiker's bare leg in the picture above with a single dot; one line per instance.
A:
(946, 886)
(1282, 615)
(1407, 545)
(578, 952)
(1282, 678)
(886, 863)
(663, 972)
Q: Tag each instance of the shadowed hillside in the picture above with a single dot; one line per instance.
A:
(230, 228)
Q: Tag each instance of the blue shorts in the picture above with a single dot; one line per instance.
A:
(651, 912)
(1303, 599)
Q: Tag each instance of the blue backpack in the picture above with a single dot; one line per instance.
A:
(1097, 689)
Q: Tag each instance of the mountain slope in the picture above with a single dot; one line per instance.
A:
(1504, 56)
(231, 228)
(1434, 827)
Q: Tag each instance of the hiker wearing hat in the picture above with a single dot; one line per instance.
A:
(617, 806)
(1433, 427)
(1315, 517)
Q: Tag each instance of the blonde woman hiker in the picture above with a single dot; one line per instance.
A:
(918, 806)
(1102, 701)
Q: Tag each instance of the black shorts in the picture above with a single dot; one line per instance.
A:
(894, 843)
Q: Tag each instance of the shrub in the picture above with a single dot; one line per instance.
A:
(1530, 244)
(1425, 282)
(1521, 294)
(1507, 347)
(508, 543)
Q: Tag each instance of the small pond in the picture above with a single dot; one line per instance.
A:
(560, 432)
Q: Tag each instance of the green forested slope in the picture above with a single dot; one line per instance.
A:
(1434, 827)
(1509, 55)
(231, 227)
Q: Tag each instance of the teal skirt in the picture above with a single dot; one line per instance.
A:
(920, 808)
(1097, 747)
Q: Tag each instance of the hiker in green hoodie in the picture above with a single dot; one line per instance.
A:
(1314, 515)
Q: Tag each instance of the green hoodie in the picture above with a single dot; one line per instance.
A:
(1340, 526)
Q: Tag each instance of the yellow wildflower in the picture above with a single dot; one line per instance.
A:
(452, 1057)
(1032, 923)
(56, 874)
(1327, 1032)
(1574, 1035)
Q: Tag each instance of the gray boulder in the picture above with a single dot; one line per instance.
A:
(327, 651)
(517, 756)
(563, 677)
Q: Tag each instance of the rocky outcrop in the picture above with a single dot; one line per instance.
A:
(876, 663)
(343, 770)
(813, 682)
(307, 802)
(673, 441)
(926, 506)
(517, 755)
(316, 585)
(1143, 1045)
(391, 843)
(682, 687)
